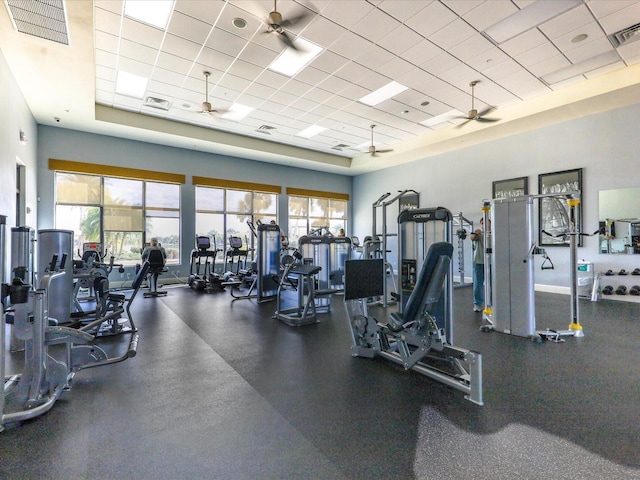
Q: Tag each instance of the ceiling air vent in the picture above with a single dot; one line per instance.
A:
(266, 129)
(626, 35)
(44, 19)
(340, 146)
(158, 103)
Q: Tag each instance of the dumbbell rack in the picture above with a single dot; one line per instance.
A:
(616, 280)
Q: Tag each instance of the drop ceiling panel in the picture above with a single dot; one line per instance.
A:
(107, 21)
(376, 25)
(485, 14)
(402, 10)
(622, 18)
(430, 19)
(434, 47)
(140, 33)
(452, 34)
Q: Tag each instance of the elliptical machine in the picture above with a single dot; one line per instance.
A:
(201, 276)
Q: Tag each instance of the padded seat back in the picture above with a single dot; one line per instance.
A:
(428, 289)
(140, 276)
(156, 259)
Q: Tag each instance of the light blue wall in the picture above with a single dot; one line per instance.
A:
(77, 146)
(15, 117)
(605, 146)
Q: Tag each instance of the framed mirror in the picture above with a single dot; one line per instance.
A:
(618, 212)
(553, 213)
(513, 187)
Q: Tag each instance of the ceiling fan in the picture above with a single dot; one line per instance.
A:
(206, 106)
(276, 25)
(373, 151)
(474, 114)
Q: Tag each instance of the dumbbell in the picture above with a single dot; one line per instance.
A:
(635, 290)
(608, 290)
(621, 290)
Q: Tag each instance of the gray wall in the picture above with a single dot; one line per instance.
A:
(15, 116)
(605, 146)
(77, 146)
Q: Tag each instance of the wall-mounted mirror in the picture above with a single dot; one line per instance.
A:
(619, 212)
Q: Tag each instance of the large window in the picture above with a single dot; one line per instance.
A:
(121, 214)
(225, 212)
(310, 213)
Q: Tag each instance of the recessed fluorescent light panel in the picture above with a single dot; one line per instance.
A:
(131, 85)
(236, 112)
(383, 93)
(579, 68)
(291, 61)
(442, 118)
(529, 17)
(152, 12)
(310, 131)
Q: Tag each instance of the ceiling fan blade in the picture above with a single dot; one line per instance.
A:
(482, 113)
(460, 125)
(384, 150)
(291, 21)
(487, 120)
(284, 38)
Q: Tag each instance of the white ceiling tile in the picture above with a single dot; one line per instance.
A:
(396, 67)
(565, 43)
(334, 84)
(346, 14)
(245, 69)
(260, 91)
(353, 72)
(107, 21)
(589, 50)
(607, 69)
(502, 69)
(452, 34)
(194, 9)
(417, 79)
(138, 52)
(329, 61)
(526, 41)
(296, 87)
(188, 27)
(226, 42)
(524, 85)
(323, 31)
(311, 76)
(162, 90)
(400, 40)
(230, 12)
(440, 63)
(460, 76)
(238, 84)
(258, 55)
(272, 79)
(487, 60)
(215, 59)
(402, 10)
(471, 47)
(537, 55)
(106, 41)
(141, 33)
(350, 45)
(180, 47)
(168, 77)
(173, 63)
(114, 6)
(375, 25)
(105, 85)
(373, 57)
(106, 73)
(354, 91)
(104, 97)
(630, 52)
(549, 65)
(623, 18)
(567, 22)
(423, 51)
(432, 18)
(487, 13)
(462, 6)
(135, 67)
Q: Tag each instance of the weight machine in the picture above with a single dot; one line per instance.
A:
(463, 228)
(509, 283)
(412, 338)
(408, 200)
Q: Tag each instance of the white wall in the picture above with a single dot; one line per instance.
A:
(15, 117)
(77, 146)
(605, 146)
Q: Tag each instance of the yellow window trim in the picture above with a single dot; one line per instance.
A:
(113, 171)
(236, 185)
(302, 192)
